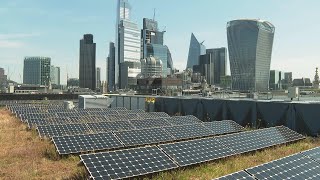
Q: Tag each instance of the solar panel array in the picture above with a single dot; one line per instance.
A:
(86, 142)
(161, 142)
(127, 163)
(184, 153)
(303, 165)
(135, 136)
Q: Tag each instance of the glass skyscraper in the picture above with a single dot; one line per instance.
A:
(87, 62)
(55, 75)
(127, 43)
(195, 50)
(111, 67)
(153, 45)
(250, 47)
(36, 70)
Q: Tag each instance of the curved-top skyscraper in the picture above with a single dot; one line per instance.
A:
(250, 47)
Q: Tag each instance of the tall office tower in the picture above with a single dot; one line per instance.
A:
(127, 43)
(153, 46)
(195, 50)
(250, 47)
(98, 77)
(111, 68)
(55, 75)
(169, 63)
(87, 65)
(219, 56)
(3, 78)
(36, 70)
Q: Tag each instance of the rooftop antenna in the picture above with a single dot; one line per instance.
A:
(154, 14)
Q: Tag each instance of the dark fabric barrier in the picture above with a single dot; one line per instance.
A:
(301, 117)
(307, 118)
(242, 112)
(213, 110)
(271, 114)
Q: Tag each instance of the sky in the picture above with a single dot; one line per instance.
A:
(53, 28)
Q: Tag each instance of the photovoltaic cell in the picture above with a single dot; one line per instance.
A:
(245, 141)
(150, 123)
(144, 136)
(294, 167)
(223, 127)
(188, 131)
(280, 135)
(241, 175)
(153, 115)
(127, 163)
(183, 120)
(122, 117)
(313, 154)
(196, 151)
(84, 143)
(110, 126)
(62, 130)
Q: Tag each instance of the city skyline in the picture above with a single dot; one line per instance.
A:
(57, 34)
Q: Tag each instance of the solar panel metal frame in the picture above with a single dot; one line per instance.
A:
(150, 153)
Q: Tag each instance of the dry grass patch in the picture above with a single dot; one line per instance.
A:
(23, 155)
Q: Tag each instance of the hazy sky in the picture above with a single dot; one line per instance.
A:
(53, 28)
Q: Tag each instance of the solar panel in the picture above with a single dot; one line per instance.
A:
(149, 123)
(144, 136)
(83, 143)
(294, 167)
(196, 151)
(127, 163)
(280, 135)
(223, 127)
(188, 131)
(62, 130)
(47, 121)
(241, 175)
(121, 117)
(182, 120)
(153, 115)
(110, 126)
(245, 141)
(313, 154)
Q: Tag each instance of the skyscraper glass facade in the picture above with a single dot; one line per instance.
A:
(111, 67)
(87, 62)
(55, 75)
(153, 46)
(129, 46)
(127, 43)
(160, 52)
(219, 59)
(195, 50)
(36, 70)
(250, 48)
